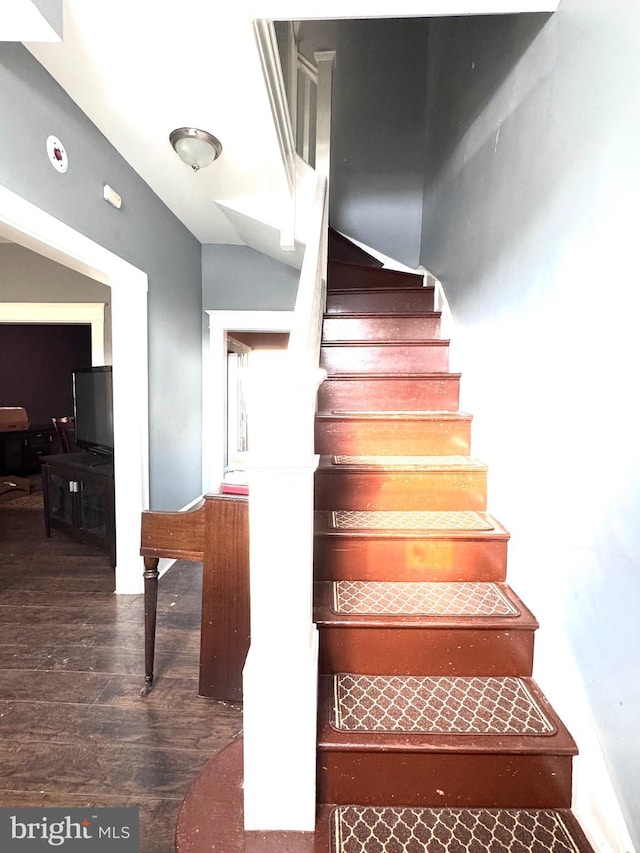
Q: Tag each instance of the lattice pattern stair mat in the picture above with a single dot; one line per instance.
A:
(436, 705)
(457, 461)
(377, 829)
(421, 598)
(460, 521)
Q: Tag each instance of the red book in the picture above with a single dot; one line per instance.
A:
(234, 489)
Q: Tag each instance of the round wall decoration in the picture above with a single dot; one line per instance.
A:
(57, 154)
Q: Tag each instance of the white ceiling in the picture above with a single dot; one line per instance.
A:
(140, 68)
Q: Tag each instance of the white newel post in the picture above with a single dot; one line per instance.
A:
(280, 675)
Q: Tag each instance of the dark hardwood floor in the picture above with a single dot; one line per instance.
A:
(74, 729)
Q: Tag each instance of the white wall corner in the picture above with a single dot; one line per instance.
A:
(594, 804)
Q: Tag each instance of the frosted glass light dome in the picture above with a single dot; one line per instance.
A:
(196, 148)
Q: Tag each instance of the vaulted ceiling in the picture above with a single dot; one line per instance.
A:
(140, 68)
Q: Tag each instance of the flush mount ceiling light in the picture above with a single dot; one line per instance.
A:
(196, 148)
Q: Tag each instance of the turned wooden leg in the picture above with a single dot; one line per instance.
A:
(150, 611)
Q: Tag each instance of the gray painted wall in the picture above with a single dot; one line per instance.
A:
(144, 232)
(378, 129)
(51, 10)
(239, 278)
(530, 220)
(28, 277)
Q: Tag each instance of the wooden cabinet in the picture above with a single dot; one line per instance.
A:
(79, 499)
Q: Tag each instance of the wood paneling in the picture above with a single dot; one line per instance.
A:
(225, 599)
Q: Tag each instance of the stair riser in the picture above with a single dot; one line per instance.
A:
(426, 651)
(341, 276)
(381, 328)
(391, 358)
(404, 300)
(403, 438)
(409, 559)
(390, 394)
(436, 779)
(403, 490)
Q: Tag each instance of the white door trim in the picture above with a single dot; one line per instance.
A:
(29, 226)
(86, 313)
(214, 415)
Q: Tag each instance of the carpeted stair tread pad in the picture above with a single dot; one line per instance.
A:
(409, 461)
(421, 598)
(436, 705)
(365, 829)
(458, 521)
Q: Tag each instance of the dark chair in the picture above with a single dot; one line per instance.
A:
(64, 428)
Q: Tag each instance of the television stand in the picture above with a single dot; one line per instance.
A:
(94, 460)
(79, 499)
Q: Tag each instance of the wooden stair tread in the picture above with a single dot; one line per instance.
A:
(422, 628)
(396, 524)
(384, 356)
(390, 289)
(515, 715)
(374, 315)
(409, 415)
(401, 484)
(357, 344)
(423, 603)
(421, 324)
(434, 374)
(388, 553)
(397, 391)
(345, 463)
(356, 827)
(411, 433)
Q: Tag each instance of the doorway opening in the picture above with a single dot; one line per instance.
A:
(258, 332)
(29, 226)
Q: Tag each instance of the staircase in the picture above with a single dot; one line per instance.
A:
(432, 734)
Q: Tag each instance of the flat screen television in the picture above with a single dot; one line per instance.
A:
(93, 409)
